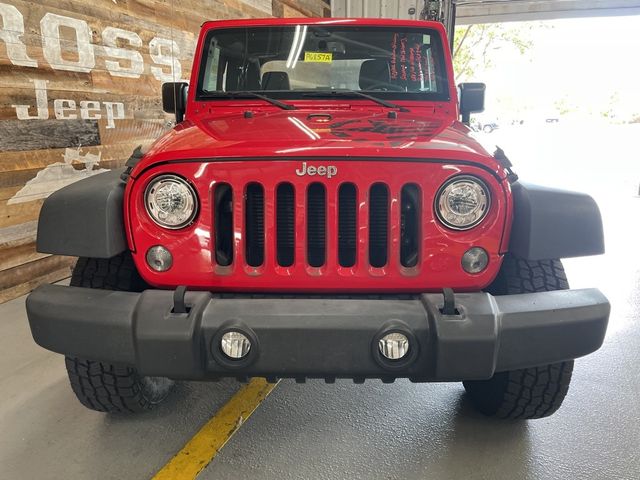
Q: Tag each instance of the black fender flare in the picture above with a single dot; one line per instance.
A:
(549, 223)
(85, 219)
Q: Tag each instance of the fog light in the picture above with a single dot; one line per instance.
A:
(235, 345)
(475, 260)
(394, 346)
(159, 258)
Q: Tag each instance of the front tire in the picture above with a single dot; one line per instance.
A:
(102, 386)
(527, 393)
(114, 388)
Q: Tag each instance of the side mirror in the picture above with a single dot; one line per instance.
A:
(471, 100)
(174, 99)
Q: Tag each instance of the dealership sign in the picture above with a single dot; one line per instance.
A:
(123, 57)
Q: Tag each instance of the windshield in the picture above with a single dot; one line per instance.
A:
(286, 61)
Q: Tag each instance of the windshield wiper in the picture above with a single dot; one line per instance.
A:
(357, 93)
(238, 94)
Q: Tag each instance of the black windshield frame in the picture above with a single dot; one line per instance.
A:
(443, 95)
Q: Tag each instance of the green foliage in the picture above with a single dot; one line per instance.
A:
(473, 44)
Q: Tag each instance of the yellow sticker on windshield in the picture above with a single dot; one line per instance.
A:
(318, 57)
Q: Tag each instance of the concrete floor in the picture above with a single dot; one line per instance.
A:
(402, 431)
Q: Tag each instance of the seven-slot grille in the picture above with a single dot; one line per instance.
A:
(317, 226)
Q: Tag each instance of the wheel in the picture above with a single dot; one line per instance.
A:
(102, 386)
(530, 392)
(487, 129)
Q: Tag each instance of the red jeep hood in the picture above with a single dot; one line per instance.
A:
(321, 133)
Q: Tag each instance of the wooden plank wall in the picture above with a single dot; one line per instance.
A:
(79, 90)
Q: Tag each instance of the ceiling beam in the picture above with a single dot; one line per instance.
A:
(494, 11)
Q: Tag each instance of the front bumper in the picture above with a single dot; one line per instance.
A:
(319, 337)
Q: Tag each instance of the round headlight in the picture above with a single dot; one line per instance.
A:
(171, 202)
(462, 202)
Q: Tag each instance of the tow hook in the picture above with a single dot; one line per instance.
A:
(449, 307)
(179, 305)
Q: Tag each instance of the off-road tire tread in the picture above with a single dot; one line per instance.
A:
(101, 386)
(116, 273)
(525, 276)
(531, 392)
(107, 388)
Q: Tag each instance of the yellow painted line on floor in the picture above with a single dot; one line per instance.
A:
(205, 445)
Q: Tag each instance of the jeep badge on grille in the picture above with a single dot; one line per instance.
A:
(329, 171)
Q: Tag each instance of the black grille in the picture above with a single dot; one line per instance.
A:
(251, 209)
(254, 224)
(347, 227)
(409, 225)
(223, 223)
(285, 224)
(316, 224)
(378, 224)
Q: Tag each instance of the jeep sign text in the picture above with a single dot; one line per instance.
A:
(329, 171)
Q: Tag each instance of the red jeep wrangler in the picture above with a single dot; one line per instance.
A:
(320, 210)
